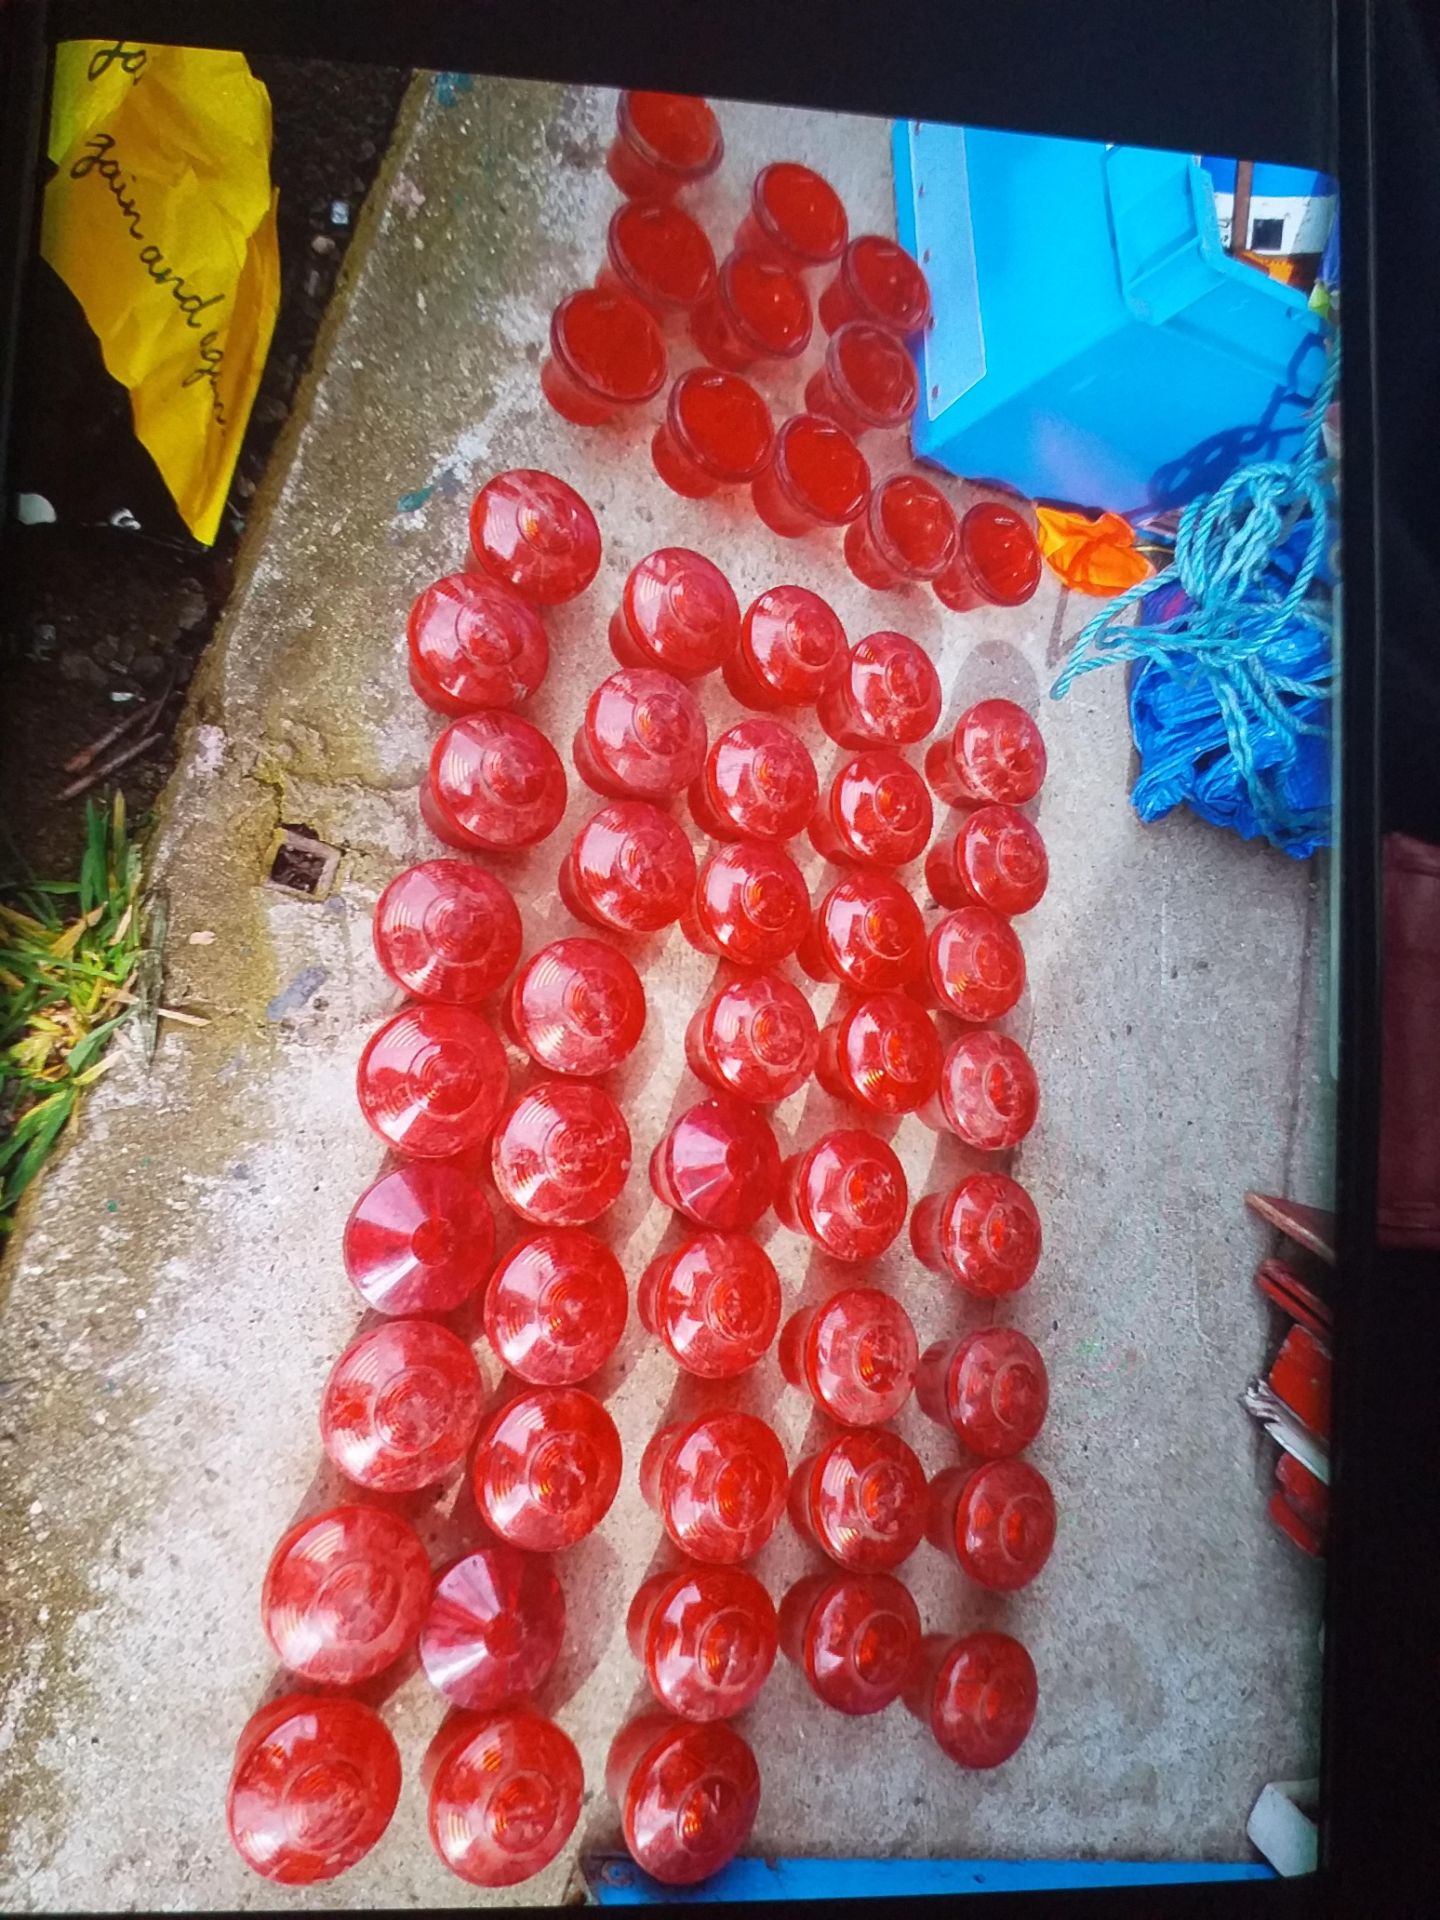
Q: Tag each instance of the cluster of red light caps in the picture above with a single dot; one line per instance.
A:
(351, 1592)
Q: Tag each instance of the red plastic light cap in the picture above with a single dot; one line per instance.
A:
(432, 1081)
(606, 355)
(495, 785)
(796, 217)
(718, 1165)
(505, 1793)
(977, 965)
(757, 310)
(657, 254)
(687, 1795)
(854, 1636)
(706, 1637)
(855, 1356)
(716, 433)
(759, 783)
(996, 561)
(663, 142)
(401, 1406)
(494, 1629)
(995, 754)
(714, 1303)
(817, 477)
(756, 1038)
(977, 1695)
(314, 1784)
(879, 282)
(996, 860)
(907, 533)
(630, 869)
(555, 1307)
(718, 1484)
(678, 612)
(534, 533)
(474, 644)
(344, 1594)
(861, 1499)
(997, 1521)
(577, 1006)
(877, 812)
(751, 904)
(420, 1240)
(989, 1094)
(561, 1153)
(547, 1468)
(792, 646)
(643, 736)
(881, 1053)
(890, 697)
(447, 930)
(989, 1387)
(869, 931)
(984, 1233)
(868, 380)
(847, 1192)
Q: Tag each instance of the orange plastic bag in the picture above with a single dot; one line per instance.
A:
(1093, 553)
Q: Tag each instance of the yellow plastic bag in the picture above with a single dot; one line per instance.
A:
(161, 221)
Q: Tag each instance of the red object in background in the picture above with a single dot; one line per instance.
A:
(997, 1521)
(751, 904)
(432, 1081)
(854, 1636)
(577, 1007)
(889, 697)
(547, 1468)
(718, 1485)
(1300, 1377)
(847, 1192)
(495, 1628)
(989, 1094)
(561, 1153)
(706, 1637)
(861, 1499)
(881, 1053)
(630, 869)
(447, 930)
(817, 477)
(977, 1695)
(1305, 1494)
(1296, 1530)
(555, 1307)
(996, 860)
(757, 310)
(907, 533)
(796, 218)
(714, 1303)
(718, 1164)
(995, 753)
(420, 1239)
(984, 1234)
(868, 930)
(643, 736)
(876, 813)
(313, 1787)
(989, 1388)
(758, 783)
(505, 1791)
(879, 282)
(687, 1795)
(473, 644)
(976, 963)
(345, 1593)
(401, 1406)
(606, 356)
(659, 256)
(996, 561)
(855, 1356)
(792, 646)
(868, 380)
(716, 433)
(756, 1039)
(663, 142)
(532, 532)
(677, 613)
(495, 785)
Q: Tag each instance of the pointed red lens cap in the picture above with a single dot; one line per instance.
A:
(495, 1627)
(420, 1240)
(718, 1165)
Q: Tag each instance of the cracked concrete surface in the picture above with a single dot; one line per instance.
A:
(176, 1296)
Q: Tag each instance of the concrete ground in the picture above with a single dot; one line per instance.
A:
(176, 1294)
